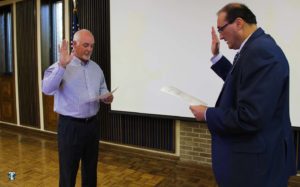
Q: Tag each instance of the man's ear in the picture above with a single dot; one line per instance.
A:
(239, 22)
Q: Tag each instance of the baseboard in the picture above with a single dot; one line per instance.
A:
(28, 131)
(136, 151)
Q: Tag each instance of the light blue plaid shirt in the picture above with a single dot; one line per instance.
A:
(75, 87)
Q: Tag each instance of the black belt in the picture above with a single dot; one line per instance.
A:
(88, 119)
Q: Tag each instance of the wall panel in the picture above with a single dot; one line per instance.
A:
(27, 63)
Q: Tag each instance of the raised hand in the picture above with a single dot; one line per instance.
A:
(215, 42)
(64, 58)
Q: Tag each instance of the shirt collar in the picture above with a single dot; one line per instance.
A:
(77, 61)
(242, 45)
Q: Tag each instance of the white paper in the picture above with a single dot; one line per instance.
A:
(186, 97)
(103, 96)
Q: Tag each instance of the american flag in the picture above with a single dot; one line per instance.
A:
(75, 24)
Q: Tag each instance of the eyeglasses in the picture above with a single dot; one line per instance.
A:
(221, 29)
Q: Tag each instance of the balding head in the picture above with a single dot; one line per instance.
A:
(82, 33)
(238, 10)
(235, 23)
(83, 44)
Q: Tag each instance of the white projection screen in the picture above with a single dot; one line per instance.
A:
(156, 43)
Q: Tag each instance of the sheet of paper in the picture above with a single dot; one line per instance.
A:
(103, 96)
(182, 95)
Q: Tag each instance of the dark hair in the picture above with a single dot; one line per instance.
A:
(235, 10)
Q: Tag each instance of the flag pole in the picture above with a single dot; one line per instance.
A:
(75, 25)
(74, 4)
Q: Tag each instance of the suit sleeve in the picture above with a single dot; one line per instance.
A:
(222, 67)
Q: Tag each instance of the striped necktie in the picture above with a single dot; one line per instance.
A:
(236, 57)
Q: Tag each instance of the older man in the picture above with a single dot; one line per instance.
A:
(76, 82)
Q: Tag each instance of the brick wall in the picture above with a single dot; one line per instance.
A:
(195, 143)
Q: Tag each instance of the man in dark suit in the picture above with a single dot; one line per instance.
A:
(252, 143)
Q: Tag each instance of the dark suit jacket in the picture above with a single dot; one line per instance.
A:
(252, 143)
